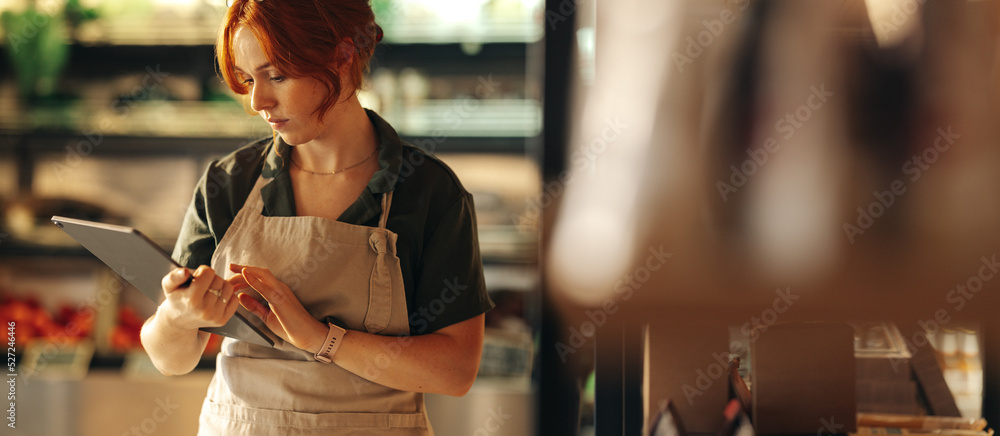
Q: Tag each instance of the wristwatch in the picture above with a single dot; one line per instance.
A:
(331, 344)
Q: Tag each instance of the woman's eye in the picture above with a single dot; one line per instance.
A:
(247, 81)
(277, 78)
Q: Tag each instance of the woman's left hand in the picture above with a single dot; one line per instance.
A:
(284, 313)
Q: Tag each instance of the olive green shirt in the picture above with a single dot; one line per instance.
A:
(433, 214)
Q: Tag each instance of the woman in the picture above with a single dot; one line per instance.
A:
(372, 281)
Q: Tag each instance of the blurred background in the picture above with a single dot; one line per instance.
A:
(657, 184)
(111, 110)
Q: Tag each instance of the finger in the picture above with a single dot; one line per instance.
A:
(173, 280)
(217, 304)
(217, 283)
(217, 288)
(255, 307)
(238, 281)
(264, 282)
(252, 276)
(221, 310)
(228, 292)
(265, 314)
(226, 304)
(231, 306)
(236, 268)
(203, 278)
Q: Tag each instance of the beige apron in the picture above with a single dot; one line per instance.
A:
(348, 272)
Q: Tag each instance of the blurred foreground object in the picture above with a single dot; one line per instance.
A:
(749, 163)
(779, 142)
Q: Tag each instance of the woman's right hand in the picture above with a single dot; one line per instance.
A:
(206, 302)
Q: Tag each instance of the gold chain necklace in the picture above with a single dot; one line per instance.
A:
(335, 171)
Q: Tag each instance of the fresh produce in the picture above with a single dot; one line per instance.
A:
(35, 322)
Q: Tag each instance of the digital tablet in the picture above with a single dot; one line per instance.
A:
(143, 263)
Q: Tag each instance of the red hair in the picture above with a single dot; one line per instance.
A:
(304, 38)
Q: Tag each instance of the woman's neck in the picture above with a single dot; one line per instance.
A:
(347, 138)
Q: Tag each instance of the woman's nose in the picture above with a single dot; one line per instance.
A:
(260, 98)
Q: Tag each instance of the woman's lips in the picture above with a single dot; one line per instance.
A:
(277, 123)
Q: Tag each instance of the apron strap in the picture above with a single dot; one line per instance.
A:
(380, 281)
(379, 286)
(254, 201)
(386, 202)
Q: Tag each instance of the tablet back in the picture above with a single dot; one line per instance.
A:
(143, 264)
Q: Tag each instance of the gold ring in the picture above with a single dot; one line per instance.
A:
(216, 292)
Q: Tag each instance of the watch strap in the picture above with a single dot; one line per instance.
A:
(331, 344)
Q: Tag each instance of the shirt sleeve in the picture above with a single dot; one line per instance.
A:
(218, 196)
(195, 243)
(451, 287)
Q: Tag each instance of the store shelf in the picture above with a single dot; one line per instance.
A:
(149, 32)
(56, 142)
(468, 144)
(159, 33)
(469, 118)
(170, 126)
(505, 243)
(518, 28)
(492, 31)
(135, 118)
(511, 276)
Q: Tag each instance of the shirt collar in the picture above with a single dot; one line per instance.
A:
(389, 157)
(277, 193)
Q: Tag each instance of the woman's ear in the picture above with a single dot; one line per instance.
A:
(344, 57)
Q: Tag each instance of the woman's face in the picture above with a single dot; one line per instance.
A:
(287, 104)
